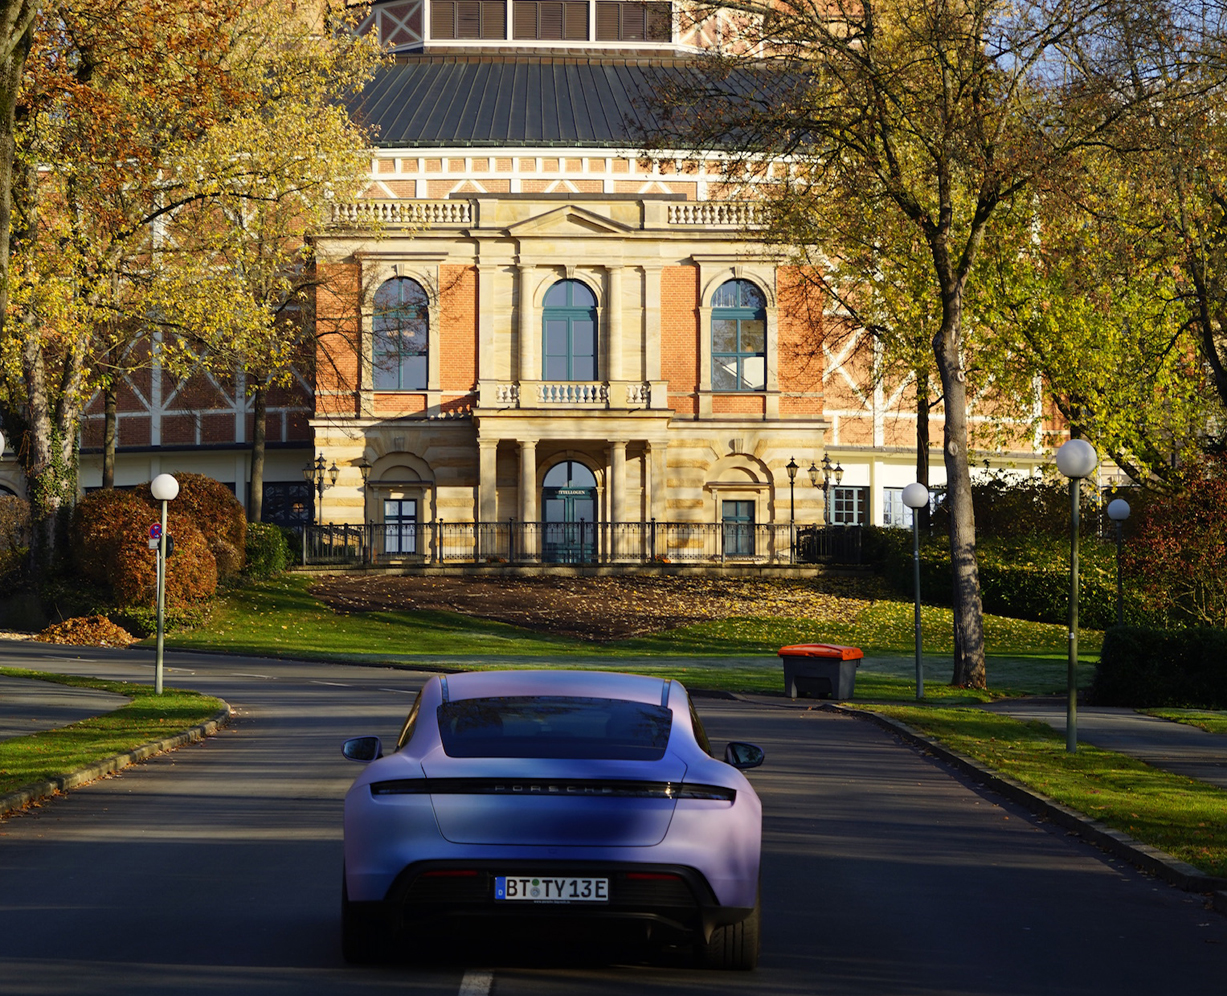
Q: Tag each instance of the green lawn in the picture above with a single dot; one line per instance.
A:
(55, 753)
(281, 618)
(1211, 722)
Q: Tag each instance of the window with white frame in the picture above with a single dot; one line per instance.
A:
(894, 512)
(401, 326)
(738, 337)
(850, 506)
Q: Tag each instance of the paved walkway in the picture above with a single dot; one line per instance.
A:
(1176, 747)
(28, 705)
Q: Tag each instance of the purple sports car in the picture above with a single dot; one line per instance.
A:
(553, 794)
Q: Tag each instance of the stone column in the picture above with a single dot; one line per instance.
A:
(528, 480)
(527, 542)
(528, 333)
(614, 325)
(617, 480)
(487, 486)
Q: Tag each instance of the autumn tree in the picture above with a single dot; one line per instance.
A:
(921, 116)
(248, 242)
(16, 35)
(134, 112)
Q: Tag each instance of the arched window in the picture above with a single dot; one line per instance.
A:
(738, 337)
(401, 324)
(569, 329)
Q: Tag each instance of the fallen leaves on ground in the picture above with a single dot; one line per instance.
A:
(605, 608)
(87, 631)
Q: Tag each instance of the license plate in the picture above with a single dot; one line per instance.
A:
(551, 889)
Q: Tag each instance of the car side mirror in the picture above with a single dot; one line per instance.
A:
(363, 749)
(743, 756)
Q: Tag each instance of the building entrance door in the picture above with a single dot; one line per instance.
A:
(568, 496)
(400, 524)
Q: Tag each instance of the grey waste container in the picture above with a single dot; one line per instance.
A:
(824, 670)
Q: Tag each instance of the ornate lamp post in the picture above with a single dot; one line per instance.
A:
(164, 489)
(792, 469)
(916, 497)
(317, 474)
(829, 472)
(1118, 512)
(1076, 459)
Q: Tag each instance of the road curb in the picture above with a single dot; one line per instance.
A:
(1121, 845)
(29, 794)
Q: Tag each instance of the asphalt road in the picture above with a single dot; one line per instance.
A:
(218, 866)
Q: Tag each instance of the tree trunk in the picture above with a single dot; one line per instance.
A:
(259, 403)
(969, 666)
(109, 425)
(16, 34)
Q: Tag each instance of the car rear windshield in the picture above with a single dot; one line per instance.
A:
(554, 727)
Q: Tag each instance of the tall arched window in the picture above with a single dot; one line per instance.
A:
(569, 329)
(401, 324)
(738, 337)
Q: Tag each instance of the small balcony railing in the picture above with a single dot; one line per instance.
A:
(578, 543)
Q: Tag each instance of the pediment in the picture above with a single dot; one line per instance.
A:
(568, 220)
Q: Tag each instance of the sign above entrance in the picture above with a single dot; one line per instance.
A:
(571, 492)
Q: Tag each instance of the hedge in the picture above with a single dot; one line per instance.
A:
(1142, 667)
(1025, 577)
(267, 550)
(217, 513)
(110, 542)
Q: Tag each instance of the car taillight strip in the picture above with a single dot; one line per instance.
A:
(553, 788)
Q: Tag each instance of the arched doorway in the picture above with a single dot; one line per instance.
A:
(568, 496)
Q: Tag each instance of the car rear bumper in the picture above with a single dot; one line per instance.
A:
(675, 901)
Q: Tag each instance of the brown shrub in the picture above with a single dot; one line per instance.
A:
(216, 512)
(87, 631)
(110, 534)
(101, 522)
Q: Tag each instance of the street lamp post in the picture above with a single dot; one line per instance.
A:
(916, 497)
(1118, 512)
(368, 538)
(318, 474)
(164, 489)
(829, 472)
(792, 469)
(1076, 459)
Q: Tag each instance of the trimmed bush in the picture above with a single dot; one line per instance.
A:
(110, 534)
(217, 514)
(1142, 667)
(267, 550)
(142, 621)
(1178, 552)
(1023, 577)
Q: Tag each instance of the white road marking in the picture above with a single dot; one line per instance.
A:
(476, 983)
(248, 674)
(334, 684)
(400, 691)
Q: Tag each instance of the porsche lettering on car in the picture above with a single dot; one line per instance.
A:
(589, 796)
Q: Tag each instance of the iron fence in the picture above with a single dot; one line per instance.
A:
(578, 543)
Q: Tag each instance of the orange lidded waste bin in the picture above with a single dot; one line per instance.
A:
(822, 669)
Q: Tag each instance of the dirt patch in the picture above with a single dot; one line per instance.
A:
(603, 608)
